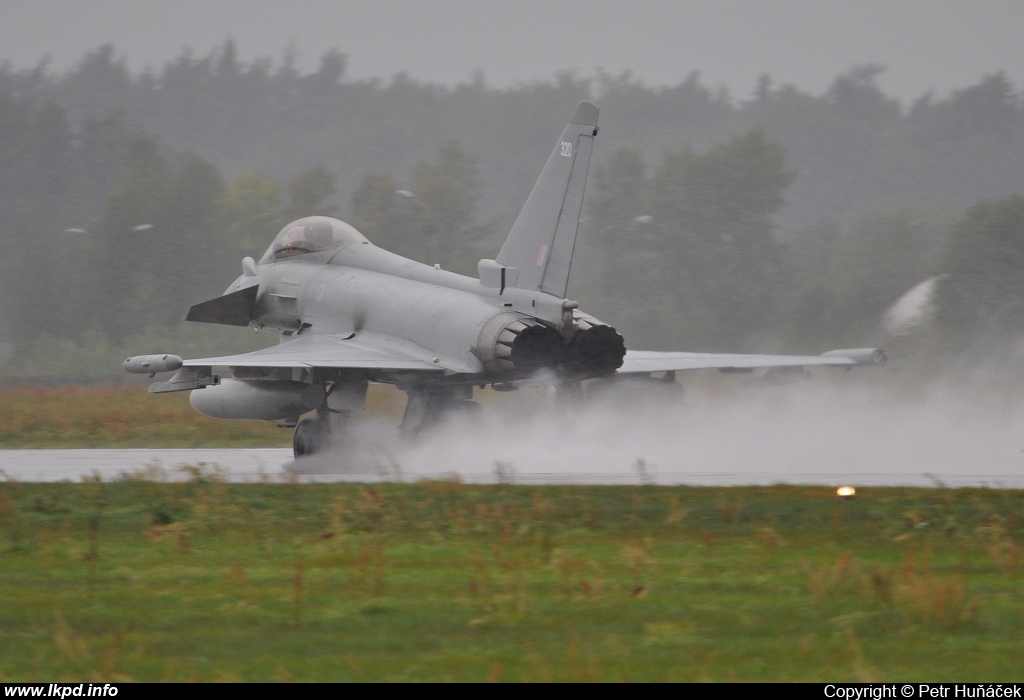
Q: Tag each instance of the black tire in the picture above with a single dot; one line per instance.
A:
(311, 436)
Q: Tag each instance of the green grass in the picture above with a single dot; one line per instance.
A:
(149, 580)
(70, 417)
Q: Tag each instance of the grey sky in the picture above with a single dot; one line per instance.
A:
(926, 44)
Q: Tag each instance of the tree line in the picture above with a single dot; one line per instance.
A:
(772, 223)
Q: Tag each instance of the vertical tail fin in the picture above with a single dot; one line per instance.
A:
(538, 250)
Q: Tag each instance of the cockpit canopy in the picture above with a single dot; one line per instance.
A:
(312, 234)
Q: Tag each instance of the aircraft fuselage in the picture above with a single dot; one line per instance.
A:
(434, 315)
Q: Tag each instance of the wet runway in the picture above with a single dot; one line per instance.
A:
(74, 465)
(276, 465)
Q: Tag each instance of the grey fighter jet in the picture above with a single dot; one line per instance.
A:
(349, 313)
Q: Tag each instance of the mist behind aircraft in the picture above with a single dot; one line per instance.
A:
(829, 431)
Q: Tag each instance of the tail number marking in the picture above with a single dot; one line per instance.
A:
(566, 149)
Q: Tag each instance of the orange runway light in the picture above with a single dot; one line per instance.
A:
(846, 492)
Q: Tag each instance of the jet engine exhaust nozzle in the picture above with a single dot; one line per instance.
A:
(536, 347)
(513, 342)
(594, 350)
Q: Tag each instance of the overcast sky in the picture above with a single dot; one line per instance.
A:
(935, 45)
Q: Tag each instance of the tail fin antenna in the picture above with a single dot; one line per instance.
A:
(539, 249)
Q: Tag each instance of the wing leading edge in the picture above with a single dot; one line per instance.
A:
(313, 352)
(643, 361)
(329, 352)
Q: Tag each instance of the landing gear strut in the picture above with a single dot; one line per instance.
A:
(429, 406)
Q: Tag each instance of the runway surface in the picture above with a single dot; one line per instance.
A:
(276, 465)
(74, 465)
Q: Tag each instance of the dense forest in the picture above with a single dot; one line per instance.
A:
(775, 221)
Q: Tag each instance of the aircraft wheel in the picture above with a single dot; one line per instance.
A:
(311, 436)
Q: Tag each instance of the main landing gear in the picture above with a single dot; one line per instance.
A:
(428, 407)
(312, 435)
(318, 433)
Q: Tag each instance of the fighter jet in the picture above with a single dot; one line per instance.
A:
(349, 313)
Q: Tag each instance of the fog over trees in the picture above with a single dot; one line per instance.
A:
(778, 221)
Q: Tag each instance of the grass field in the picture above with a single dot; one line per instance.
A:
(69, 417)
(150, 580)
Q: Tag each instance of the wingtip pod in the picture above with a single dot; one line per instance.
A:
(151, 364)
(860, 356)
(585, 114)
